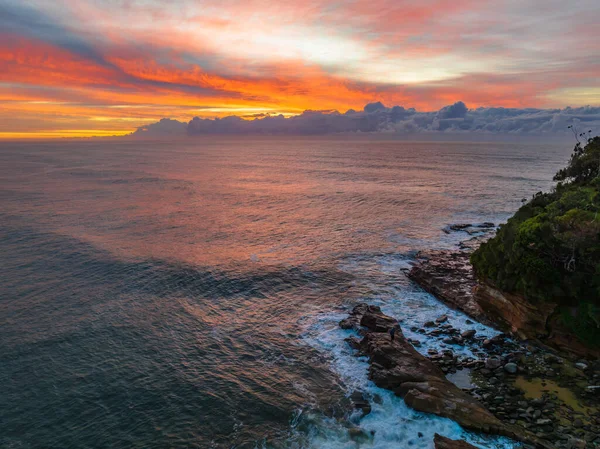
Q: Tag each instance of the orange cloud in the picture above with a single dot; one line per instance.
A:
(93, 67)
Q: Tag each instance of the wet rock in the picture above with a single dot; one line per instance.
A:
(397, 366)
(575, 443)
(511, 368)
(441, 442)
(357, 434)
(360, 402)
(581, 366)
(353, 319)
(374, 320)
(353, 342)
(429, 324)
(468, 333)
(441, 319)
(449, 276)
(493, 363)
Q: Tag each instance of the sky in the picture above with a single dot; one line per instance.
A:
(77, 68)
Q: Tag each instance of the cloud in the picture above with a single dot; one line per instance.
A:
(248, 58)
(164, 128)
(377, 118)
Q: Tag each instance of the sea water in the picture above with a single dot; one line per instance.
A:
(186, 294)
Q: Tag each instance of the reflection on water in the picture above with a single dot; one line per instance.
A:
(537, 388)
(182, 295)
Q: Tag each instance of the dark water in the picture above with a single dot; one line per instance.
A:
(175, 295)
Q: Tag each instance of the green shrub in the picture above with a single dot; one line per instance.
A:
(549, 251)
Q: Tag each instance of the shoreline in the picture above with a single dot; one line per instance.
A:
(449, 276)
(501, 386)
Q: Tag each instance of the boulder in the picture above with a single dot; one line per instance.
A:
(441, 442)
(374, 320)
(360, 402)
(492, 363)
(468, 333)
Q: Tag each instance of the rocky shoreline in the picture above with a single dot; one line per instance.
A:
(449, 276)
(526, 386)
(397, 366)
(543, 380)
(512, 389)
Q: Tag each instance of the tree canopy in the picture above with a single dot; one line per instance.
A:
(549, 251)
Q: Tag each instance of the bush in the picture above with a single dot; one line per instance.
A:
(549, 251)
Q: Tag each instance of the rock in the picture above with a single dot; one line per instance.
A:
(376, 321)
(353, 320)
(352, 341)
(468, 333)
(347, 323)
(360, 402)
(577, 423)
(441, 319)
(511, 368)
(449, 276)
(575, 443)
(441, 442)
(357, 434)
(493, 363)
(581, 366)
(397, 366)
(429, 324)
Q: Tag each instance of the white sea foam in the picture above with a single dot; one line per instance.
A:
(391, 424)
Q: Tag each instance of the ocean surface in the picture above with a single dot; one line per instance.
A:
(187, 294)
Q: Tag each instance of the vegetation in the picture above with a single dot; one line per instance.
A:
(549, 251)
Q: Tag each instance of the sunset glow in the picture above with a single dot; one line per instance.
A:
(93, 68)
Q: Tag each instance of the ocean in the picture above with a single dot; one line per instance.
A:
(186, 294)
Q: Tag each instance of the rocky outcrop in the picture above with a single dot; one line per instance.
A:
(513, 313)
(449, 276)
(397, 366)
(441, 442)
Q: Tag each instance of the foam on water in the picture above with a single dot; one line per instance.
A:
(391, 423)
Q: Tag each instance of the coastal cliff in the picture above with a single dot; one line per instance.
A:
(539, 276)
(449, 276)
